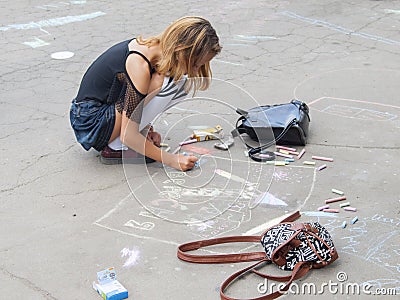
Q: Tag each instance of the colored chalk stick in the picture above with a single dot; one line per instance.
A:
(337, 192)
(323, 207)
(283, 151)
(283, 155)
(345, 204)
(280, 163)
(349, 208)
(331, 200)
(163, 145)
(355, 219)
(322, 158)
(344, 224)
(320, 168)
(289, 159)
(285, 148)
(301, 153)
(331, 210)
(294, 152)
(188, 142)
(310, 163)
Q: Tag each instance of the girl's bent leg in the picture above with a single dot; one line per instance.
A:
(117, 126)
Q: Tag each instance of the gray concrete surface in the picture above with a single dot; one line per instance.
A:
(64, 216)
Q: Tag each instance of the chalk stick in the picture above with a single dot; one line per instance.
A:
(322, 158)
(301, 153)
(355, 219)
(331, 200)
(311, 163)
(331, 210)
(349, 208)
(323, 207)
(163, 145)
(285, 148)
(283, 155)
(344, 224)
(337, 192)
(188, 142)
(225, 145)
(345, 204)
(167, 149)
(293, 152)
(320, 168)
(176, 150)
(289, 159)
(283, 151)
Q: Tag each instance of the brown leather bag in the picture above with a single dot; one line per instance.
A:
(297, 247)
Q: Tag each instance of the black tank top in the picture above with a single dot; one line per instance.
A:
(102, 74)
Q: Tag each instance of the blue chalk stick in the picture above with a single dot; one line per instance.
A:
(354, 220)
(344, 224)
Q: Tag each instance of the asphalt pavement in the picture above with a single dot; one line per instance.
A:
(64, 216)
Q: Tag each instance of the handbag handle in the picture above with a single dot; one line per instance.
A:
(255, 150)
(300, 270)
(225, 258)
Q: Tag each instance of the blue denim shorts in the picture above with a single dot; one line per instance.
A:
(93, 123)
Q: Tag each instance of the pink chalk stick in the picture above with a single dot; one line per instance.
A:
(323, 207)
(321, 167)
(335, 199)
(285, 148)
(331, 210)
(322, 158)
(349, 208)
(283, 155)
(301, 153)
(188, 142)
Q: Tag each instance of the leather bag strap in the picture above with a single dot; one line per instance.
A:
(219, 258)
(300, 270)
(225, 258)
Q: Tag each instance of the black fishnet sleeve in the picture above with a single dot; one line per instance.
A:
(131, 102)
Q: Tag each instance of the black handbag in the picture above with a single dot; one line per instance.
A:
(268, 124)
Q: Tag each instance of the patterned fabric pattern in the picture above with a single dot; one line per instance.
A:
(281, 233)
(126, 98)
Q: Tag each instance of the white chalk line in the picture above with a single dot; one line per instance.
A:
(270, 223)
(123, 200)
(36, 43)
(254, 37)
(353, 100)
(340, 28)
(53, 22)
(266, 225)
(136, 235)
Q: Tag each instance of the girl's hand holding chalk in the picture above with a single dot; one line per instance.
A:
(185, 162)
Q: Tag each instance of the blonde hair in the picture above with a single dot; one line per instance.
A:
(183, 43)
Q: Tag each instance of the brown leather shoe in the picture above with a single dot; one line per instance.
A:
(109, 156)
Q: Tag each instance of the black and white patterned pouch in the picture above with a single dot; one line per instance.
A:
(288, 244)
